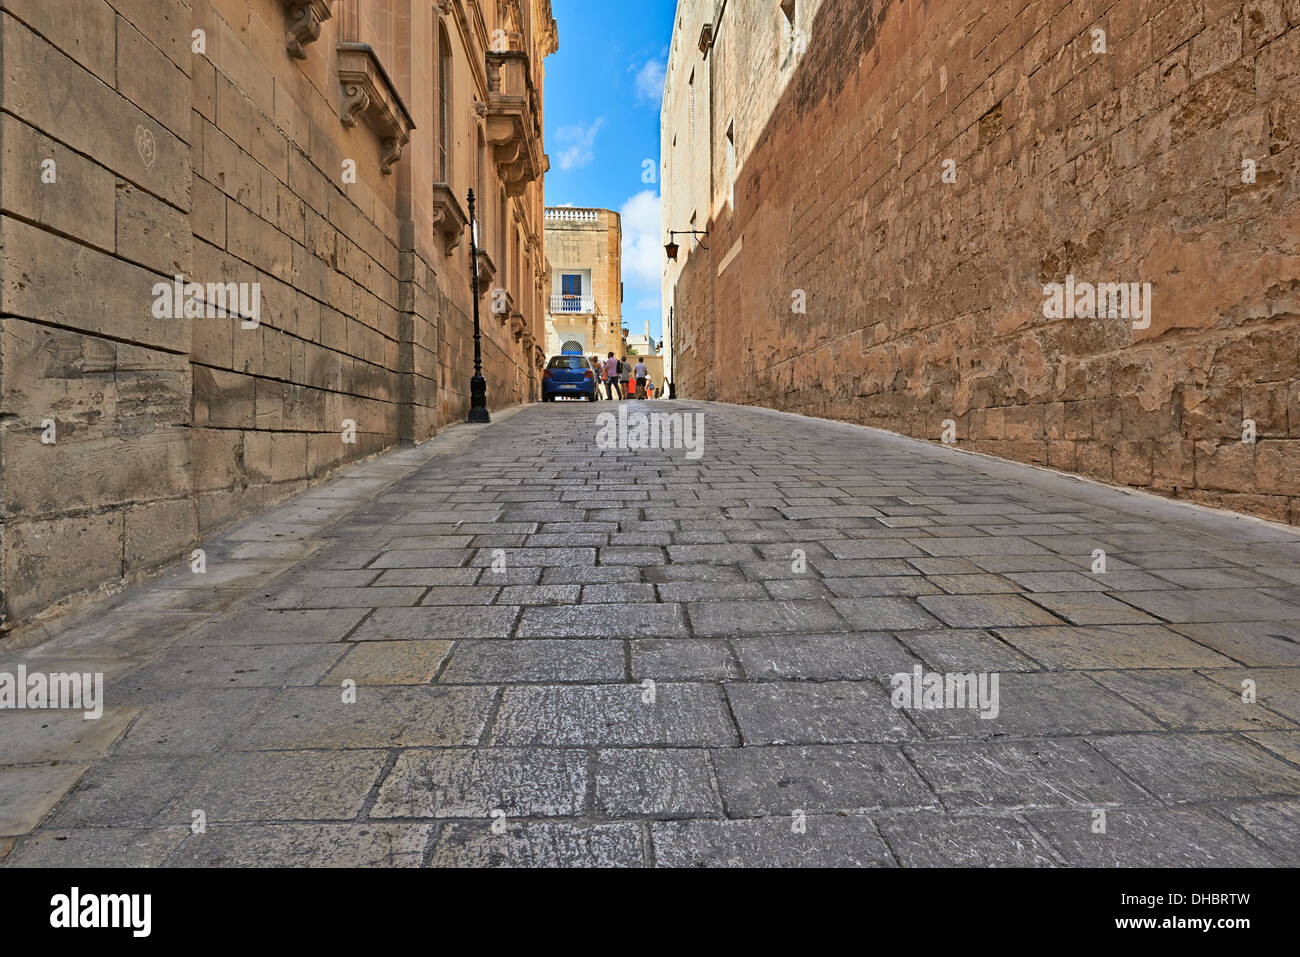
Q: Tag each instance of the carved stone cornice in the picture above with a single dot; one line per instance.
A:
(449, 219)
(369, 94)
(305, 18)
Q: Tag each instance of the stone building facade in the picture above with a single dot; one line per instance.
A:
(307, 159)
(898, 195)
(584, 248)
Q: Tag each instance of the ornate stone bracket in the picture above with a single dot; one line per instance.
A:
(449, 219)
(487, 271)
(518, 325)
(369, 94)
(539, 358)
(305, 18)
(508, 307)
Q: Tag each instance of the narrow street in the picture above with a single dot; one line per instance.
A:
(511, 646)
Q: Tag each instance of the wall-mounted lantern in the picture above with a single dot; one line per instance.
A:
(672, 248)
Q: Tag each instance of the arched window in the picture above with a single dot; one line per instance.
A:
(445, 132)
(503, 227)
(480, 182)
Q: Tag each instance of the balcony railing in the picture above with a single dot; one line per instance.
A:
(580, 305)
(569, 214)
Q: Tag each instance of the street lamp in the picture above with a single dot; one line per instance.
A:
(478, 410)
(672, 248)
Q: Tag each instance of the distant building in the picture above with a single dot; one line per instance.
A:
(644, 345)
(585, 310)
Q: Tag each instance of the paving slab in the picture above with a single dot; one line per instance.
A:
(940, 840)
(1132, 837)
(369, 845)
(656, 783)
(818, 841)
(390, 663)
(377, 718)
(670, 715)
(282, 786)
(1179, 768)
(1022, 774)
(541, 844)
(97, 848)
(474, 783)
(27, 794)
(760, 781)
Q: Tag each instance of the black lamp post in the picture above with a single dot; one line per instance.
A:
(478, 410)
(672, 390)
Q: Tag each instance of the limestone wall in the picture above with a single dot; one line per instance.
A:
(925, 298)
(187, 139)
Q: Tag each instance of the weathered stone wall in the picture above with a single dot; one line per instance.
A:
(925, 299)
(186, 140)
(103, 91)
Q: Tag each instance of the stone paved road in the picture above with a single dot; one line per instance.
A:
(768, 735)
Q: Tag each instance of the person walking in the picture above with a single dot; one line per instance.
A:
(642, 373)
(611, 378)
(624, 377)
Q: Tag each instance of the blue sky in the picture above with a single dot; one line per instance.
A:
(603, 93)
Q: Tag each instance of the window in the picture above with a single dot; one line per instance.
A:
(570, 286)
(479, 183)
(444, 107)
(692, 109)
(503, 224)
(789, 30)
(731, 165)
(519, 266)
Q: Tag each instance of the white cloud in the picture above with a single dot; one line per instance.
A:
(650, 81)
(578, 144)
(642, 240)
(649, 304)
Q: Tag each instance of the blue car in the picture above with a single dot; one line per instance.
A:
(569, 377)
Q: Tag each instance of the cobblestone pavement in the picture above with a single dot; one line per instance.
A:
(517, 700)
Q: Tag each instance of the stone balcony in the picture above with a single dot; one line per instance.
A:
(513, 129)
(449, 219)
(370, 95)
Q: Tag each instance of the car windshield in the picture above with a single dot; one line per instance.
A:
(577, 363)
